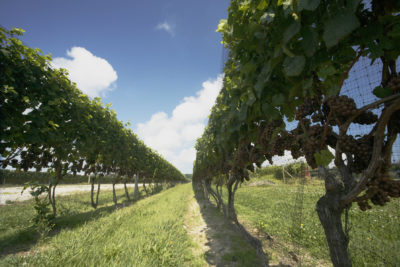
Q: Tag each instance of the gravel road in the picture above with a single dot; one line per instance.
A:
(14, 193)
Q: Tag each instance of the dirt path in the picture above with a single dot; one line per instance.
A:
(216, 238)
(14, 193)
(220, 243)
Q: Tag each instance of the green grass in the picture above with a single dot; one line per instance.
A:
(16, 229)
(147, 233)
(374, 234)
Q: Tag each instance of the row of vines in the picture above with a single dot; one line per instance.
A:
(48, 124)
(282, 91)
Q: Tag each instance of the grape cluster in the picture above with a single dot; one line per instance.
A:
(256, 156)
(242, 173)
(306, 108)
(362, 154)
(313, 143)
(318, 117)
(296, 147)
(366, 118)
(281, 143)
(296, 150)
(242, 155)
(348, 144)
(331, 140)
(361, 150)
(342, 106)
(265, 132)
(250, 167)
(379, 191)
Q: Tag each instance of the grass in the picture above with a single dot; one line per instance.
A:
(272, 209)
(242, 254)
(16, 229)
(149, 232)
(220, 241)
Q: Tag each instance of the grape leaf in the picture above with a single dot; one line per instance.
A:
(324, 157)
(308, 4)
(326, 70)
(382, 92)
(221, 25)
(278, 99)
(262, 5)
(340, 25)
(310, 41)
(291, 31)
(293, 66)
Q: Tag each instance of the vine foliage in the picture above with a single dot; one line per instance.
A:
(47, 123)
(287, 63)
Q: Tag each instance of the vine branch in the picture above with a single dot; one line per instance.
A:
(376, 157)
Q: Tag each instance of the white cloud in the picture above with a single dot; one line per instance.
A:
(93, 75)
(165, 26)
(287, 158)
(174, 136)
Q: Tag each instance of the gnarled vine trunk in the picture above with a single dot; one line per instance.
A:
(92, 181)
(205, 191)
(114, 195)
(232, 187)
(52, 195)
(330, 213)
(216, 195)
(144, 186)
(221, 204)
(330, 216)
(52, 189)
(136, 192)
(126, 190)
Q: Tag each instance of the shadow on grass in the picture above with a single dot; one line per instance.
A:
(23, 240)
(227, 245)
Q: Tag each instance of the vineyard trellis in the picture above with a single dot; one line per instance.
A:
(293, 61)
(48, 124)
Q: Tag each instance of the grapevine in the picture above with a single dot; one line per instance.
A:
(289, 62)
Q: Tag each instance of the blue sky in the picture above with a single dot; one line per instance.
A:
(158, 62)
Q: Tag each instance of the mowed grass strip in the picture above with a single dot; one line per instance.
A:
(272, 209)
(149, 232)
(16, 229)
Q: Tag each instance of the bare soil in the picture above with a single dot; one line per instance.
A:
(210, 232)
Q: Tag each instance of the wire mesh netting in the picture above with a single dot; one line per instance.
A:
(289, 218)
(380, 245)
(363, 78)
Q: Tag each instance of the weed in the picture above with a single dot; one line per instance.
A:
(43, 220)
